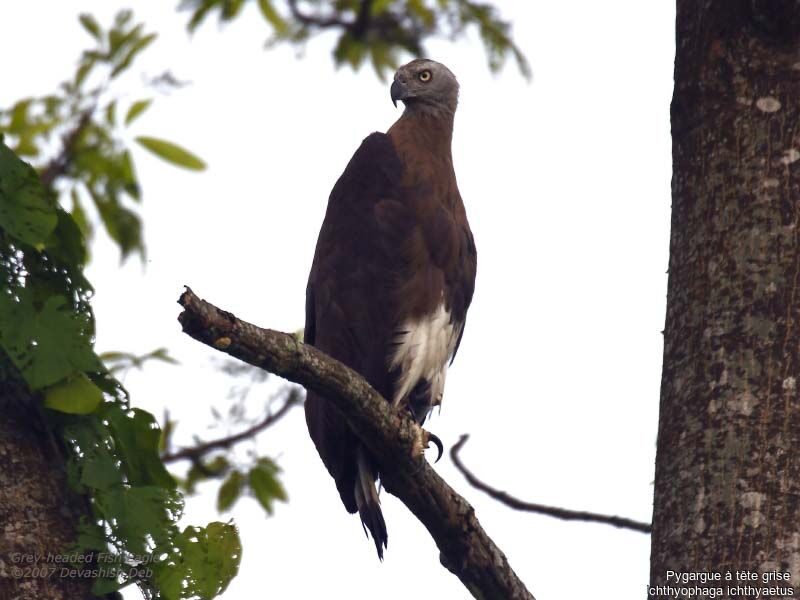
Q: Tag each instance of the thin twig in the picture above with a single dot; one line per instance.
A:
(551, 511)
(358, 27)
(60, 164)
(314, 20)
(195, 452)
(361, 24)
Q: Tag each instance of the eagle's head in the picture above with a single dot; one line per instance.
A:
(425, 85)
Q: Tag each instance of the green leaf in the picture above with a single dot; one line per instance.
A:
(90, 536)
(49, 343)
(161, 354)
(111, 113)
(122, 361)
(79, 214)
(205, 561)
(199, 15)
(217, 467)
(26, 146)
(231, 8)
(265, 485)
(131, 54)
(118, 39)
(383, 60)
(77, 396)
(200, 471)
(106, 382)
(136, 109)
(19, 116)
(26, 212)
(100, 468)
(229, 491)
(172, 153)
(84, 436)
(128, 176)
(419, 9)
(90, 25)
(272, 17)
(379, 6)
(103, 586)
(85, 67)
(123, 17)
(51, 105)
(141, 515)
(66, 242)
(350, 50)
(123, 225)
(137, 436)
(165, 441)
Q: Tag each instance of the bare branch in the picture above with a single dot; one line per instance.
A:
(391, 436)
(361, 24)
(550, 511)
(315, 20)
(358, 27)
(195, 452)
(60, 164)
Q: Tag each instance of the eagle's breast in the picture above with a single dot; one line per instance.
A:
(436, 266)
(423, 349)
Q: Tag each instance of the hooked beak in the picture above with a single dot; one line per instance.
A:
(399, 91)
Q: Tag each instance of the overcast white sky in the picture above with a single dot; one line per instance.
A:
(566, 181)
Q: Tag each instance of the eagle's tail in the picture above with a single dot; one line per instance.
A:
(369, 506)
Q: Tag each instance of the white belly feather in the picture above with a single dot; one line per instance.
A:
(423, 351)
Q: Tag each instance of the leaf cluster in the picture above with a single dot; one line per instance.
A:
(261, 481)
(47, 338)
(76, 137)
(375, 31)
(256, 476)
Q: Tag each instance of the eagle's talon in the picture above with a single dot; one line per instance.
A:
(436, 442)
(423, 440)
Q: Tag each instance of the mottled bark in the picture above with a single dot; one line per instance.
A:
(38, 512)
(727, 491)
(392, 438)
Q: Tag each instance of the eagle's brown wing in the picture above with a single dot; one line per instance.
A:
(349, 313)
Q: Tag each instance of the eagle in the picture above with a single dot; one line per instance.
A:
(392, 277)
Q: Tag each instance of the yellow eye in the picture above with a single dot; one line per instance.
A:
(425, 76)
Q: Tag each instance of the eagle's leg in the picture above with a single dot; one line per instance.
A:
(419, 403)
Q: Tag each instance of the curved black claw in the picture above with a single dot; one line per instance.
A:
(438, 443)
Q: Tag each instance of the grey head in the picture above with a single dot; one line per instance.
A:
(425, 86)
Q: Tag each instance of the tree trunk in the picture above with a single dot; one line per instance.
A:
(38, 513)
(727, 489)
